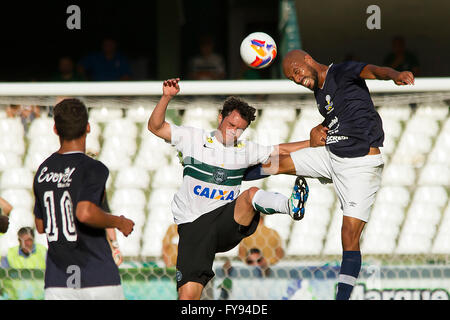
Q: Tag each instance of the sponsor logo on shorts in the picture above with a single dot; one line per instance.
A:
(178, 275)
(215, 194)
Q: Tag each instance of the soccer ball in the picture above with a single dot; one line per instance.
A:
(258, 50)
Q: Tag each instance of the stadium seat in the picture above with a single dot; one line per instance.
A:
(9, 160)
(438, 155)
(149, 159)
(389, 145)
(160, 197)
(151, 143)
(433, 110)
(132, 177)
(104, 114)
(333, 239)
(120, 127)
(34, 159)
(391, 213)
(138, 114)
(44, 144)
(93, 144)
(41, 127)
(16, 178)
(435, 174)
(377, 244)
(12, 127)
(398, 175)
(114, 160)
(413, 244)
(22, 216)
(12, 144)
(96, 130)
(434, 195)
(131, 212)
(414, 142)
(130, 246)
(168, 176)
(422, 126)
(392, 128)
(283, 113)
(393, 195)
(399, 112)
(131, 198)
(19, 198)
(120, 144)
(280, 223)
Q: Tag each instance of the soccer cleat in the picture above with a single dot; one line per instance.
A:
(298, 199)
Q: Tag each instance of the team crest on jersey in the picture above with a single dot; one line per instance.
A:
(329, 105)
(219, 176)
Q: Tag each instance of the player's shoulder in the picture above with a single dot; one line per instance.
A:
(94, 165)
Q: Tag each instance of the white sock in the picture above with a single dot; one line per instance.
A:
(270, 202)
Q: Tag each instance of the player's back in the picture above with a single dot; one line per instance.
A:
(61, 182)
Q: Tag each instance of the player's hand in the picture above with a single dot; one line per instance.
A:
(404, 78)
(4, 223)
(171, 87)
(126, 226)
(318, 136)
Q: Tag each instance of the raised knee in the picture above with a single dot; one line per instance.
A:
(251, 193)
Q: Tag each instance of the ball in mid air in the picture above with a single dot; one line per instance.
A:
(258, 50)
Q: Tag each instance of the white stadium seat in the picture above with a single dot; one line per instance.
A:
(132, 177)
(120, 127)
(41, 127)
(19, 198)
(12, 127)
(398, 175)
(393, 195)
(433, 110)
(435, 174)
(9, 160)
(131, 198)
(104, 114)
(160, 197)
(422, 126)
(12, 144)
(389, 111)
(138, 114)
(392, 127)
(16, 178)
(120, 144)
(114, 160)
(434, 195)
(168, 176)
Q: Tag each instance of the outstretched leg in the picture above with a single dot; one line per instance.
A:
(351, 256)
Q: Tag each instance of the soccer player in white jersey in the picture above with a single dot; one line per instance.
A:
(210, 213)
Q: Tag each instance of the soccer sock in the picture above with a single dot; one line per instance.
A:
(350, 267)
(254, 173)
(270, 202)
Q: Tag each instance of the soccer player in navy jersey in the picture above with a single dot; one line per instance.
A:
(69, 187)
(344, 148)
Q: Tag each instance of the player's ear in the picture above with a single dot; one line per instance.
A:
(88, 128)
(308, 59)
(54, 130)
(220, 118)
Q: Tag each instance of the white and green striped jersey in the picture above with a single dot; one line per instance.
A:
(212, 172)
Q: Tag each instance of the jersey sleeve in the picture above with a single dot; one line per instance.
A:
(182, 136)
(38, 213)
(351, 70)
(93, 187)
(258, 153)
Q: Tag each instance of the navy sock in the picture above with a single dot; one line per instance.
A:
(350, 267)
(254, 173)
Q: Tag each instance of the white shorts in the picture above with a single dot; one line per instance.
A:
(91, 293)
(355, 180)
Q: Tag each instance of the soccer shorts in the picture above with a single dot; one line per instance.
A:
(201, 239)
(90, 293)
(355, 180)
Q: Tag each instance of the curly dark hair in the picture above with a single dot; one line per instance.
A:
(71, 119)
(246, 111)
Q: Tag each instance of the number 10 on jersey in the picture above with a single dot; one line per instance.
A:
(66, 209)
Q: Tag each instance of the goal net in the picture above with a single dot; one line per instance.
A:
(405, 245)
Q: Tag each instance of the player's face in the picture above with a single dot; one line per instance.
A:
(231, 127)
(303, 74)
(26, 243)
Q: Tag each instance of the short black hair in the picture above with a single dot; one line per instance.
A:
(71, 119)
(246, 111)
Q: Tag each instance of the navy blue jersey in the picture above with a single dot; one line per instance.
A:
(345, 102)
(60, 183)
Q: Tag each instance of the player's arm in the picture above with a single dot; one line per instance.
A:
(157, 123)
(92, 215)
(287, 148)
(39, 225)
(5, 206)
(371, 71)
